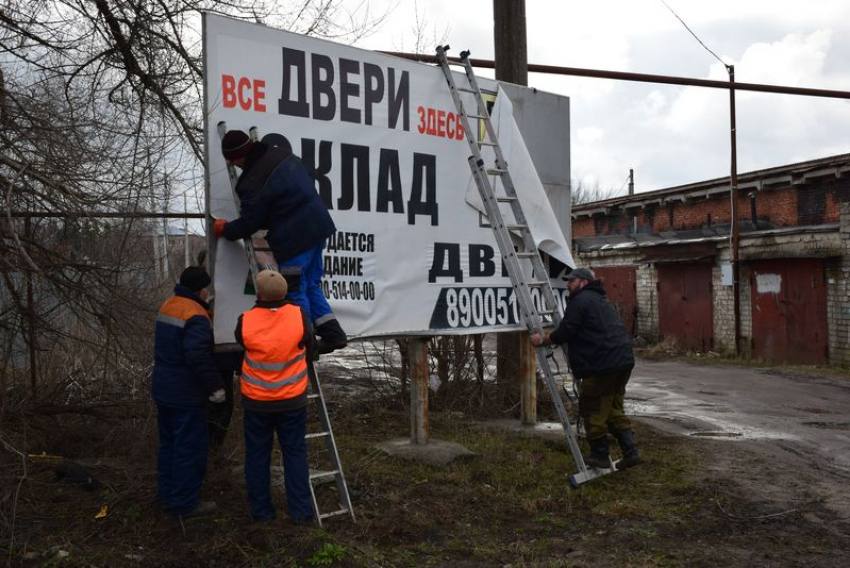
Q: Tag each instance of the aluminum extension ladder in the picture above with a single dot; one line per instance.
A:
(317, 477)
(524, 266)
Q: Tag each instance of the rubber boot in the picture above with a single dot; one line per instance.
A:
(629, 447)
(599, 454)
(331, 336)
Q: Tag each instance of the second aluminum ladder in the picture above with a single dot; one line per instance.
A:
(524, 266)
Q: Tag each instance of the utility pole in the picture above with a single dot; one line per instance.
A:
(186, 260)
(631, 192)
(734, 231)
(513, 350)
(165, 263)
(509, 37)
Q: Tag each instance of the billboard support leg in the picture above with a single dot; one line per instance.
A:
(420, 430)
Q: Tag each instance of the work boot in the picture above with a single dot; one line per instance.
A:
(599, 455)
(629, 447)
(203, 508)
(331, 336)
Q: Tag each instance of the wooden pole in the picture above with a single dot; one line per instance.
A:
(511, 48)
(420, 429)
(528, 384)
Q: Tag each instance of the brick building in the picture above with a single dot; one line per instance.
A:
(665, 258)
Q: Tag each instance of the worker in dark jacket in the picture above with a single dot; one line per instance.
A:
(278, 194)
(185, 377)
(600, 355)
(279, 347)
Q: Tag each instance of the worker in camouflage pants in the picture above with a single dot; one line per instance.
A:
(600, 354)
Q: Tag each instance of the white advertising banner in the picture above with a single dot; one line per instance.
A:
(381, 137)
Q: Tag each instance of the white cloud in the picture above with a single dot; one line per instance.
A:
(671, 135)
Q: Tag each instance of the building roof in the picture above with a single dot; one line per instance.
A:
(780, 176)
(689, 237)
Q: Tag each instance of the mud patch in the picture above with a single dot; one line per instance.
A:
(815, 410)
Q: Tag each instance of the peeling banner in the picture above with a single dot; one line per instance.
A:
(382, 139)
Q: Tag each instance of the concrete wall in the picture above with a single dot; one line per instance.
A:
(838, 302)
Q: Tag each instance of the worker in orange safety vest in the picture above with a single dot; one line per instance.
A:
(279, 349)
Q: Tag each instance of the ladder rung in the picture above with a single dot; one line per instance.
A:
(526, 254)
(342, 511)
(478, 116)
(507, 199)
(317, 435)
(496, 171)
(323, 474)
(482, 143)
(536, 283)
(312, 396)
(516, 227)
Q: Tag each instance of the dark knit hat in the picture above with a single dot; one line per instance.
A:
(235, 144)
(195, 278)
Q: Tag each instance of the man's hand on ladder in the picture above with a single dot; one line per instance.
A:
(218, 227)
(539, 339)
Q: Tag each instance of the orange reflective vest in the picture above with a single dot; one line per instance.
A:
(274, 367)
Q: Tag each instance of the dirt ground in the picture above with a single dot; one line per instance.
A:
(712, 499)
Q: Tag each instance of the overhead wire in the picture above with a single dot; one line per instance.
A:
(696, 37)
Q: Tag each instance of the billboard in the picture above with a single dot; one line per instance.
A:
(386, 148)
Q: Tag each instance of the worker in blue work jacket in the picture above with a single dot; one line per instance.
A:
(185, 377)
(277, 193)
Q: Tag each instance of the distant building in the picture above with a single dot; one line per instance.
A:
(665, 257)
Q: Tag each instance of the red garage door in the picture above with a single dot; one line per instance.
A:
(620, 284)
(685, 304)
(789, 311)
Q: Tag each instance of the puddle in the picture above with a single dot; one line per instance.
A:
(717, 434)
(829, 425)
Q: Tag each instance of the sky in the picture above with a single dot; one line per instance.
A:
(669, 134)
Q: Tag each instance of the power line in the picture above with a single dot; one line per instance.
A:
(696, 37)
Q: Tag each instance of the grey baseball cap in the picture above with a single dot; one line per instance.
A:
(583, 273)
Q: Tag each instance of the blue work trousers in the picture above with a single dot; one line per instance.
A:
(303, 273)
(182, 459)
(259, 429)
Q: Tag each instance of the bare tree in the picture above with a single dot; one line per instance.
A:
(100, 104)
(581, 192)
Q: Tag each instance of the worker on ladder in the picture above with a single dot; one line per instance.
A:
(601, 357)
(279, 349)
(278, 194)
